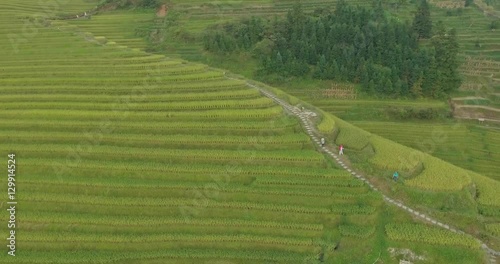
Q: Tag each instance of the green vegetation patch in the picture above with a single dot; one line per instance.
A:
(428, 234)
(494, 228)
(327, 124)
(487, 190)
(393, 156)
(439, 175)
(358, 231)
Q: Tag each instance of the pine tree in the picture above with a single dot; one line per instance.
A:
(388, 87)
(416, 89)
(422, 23)
(365, 79)
(246, 42)
(446, 46)
(378, 10)
(404, 89)
(333, 71)
(397, 88)
(278, 64)
(322, 68)
(371, 87)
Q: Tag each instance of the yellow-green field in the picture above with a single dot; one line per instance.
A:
(125, 156)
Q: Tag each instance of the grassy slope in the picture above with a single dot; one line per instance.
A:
(144, 192)
(438, 144)
(98, 159)
(194, 17)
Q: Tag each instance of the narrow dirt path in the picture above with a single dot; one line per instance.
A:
(484, 7)
(309, 127)
(469, 98)
(478, 107)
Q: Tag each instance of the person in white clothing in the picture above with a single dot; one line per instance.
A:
(322, 142)
(341, 150)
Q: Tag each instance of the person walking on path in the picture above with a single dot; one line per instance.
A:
(322, 142)
(395, 176)
(341, 149)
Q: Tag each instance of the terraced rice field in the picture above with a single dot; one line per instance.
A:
(479, 50)
(469, 147)
(126, 156)
(478, 44)
(479, 47)
(479, 67)
(115, 27)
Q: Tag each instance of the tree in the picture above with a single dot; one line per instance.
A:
(388, 87)
(350, 44)
(378, 10)
(322, 68)
(422, 23)
(149, 3)
(371, 87)
(468, 2)
(495, 24)
(278, 63)
(416, 89)
(446, 46)
(400, 3)
(397, 88)
(295, 19)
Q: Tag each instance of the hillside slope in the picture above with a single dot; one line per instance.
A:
(127, 156)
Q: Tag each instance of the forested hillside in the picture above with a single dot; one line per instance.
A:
(362, 45)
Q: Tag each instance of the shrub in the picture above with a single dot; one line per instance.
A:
(148, 3)
(495, 24)
(413, 113)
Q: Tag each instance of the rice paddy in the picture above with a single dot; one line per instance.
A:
(125, 156)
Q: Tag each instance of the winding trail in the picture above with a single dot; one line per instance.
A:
(306, 122)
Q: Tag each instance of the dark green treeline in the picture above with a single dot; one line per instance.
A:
(354, 44)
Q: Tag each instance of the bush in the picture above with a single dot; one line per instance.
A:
(130, 3)
(149, 3)
(413, 113)
(495, 24)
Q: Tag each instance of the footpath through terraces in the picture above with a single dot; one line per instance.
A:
(305, 118)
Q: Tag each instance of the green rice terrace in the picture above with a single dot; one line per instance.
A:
(128, 155)
(478, 98)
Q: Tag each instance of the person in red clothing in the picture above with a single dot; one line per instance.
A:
(341, 149)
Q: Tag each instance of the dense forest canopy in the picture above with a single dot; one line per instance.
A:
(355, 44)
